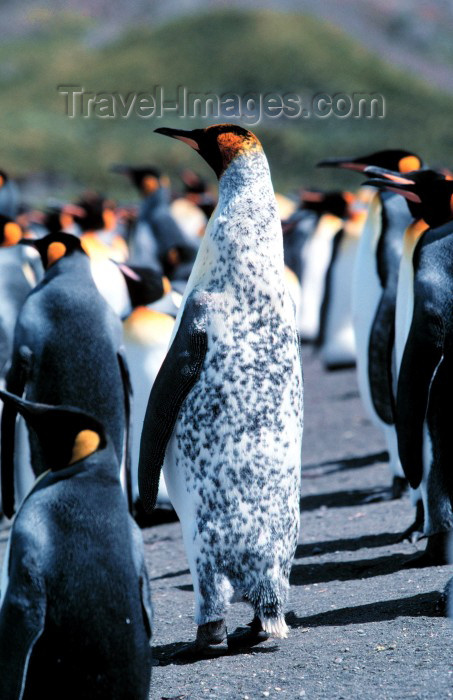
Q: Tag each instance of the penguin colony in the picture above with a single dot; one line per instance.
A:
(199, 307)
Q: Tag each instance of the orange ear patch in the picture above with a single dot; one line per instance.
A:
(55, 251)
(85, 443)
(12, 233)
(409, 163)
(232, 145)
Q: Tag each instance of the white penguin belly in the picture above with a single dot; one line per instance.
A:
(366, 293)
(339, 343)
(232, 466)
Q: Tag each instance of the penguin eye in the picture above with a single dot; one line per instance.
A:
(55, 251)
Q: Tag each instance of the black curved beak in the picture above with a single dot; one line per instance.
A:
(180, 134)
(346, 163)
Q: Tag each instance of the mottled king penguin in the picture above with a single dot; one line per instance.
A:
(67, 350)
(225, 413)
(75, 615)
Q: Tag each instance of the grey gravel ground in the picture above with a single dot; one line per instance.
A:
(361, 625)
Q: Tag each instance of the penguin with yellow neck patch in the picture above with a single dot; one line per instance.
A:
(67, 350)
(424, 334)
(75, 611)
(224, 416)
(374, 282)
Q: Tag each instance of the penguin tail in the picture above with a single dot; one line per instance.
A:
(267, 598)
(275, 626)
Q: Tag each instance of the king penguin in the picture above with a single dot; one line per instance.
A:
(225, 413)
(67, 350)
(374, 282)
(75, 615)
(423, 335)
(16, 282)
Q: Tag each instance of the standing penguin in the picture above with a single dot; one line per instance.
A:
(16, 281)
(374, 282)
(75, 615)
(424, 339)
(225, 412)
(67, 350)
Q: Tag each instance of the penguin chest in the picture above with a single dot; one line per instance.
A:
(237, 442)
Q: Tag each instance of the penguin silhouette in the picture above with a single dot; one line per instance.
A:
(67, 350)
(75, 615)
(225, 412)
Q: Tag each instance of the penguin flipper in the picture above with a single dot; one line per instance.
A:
(380, 349)
(4, 349)
(178, 374)
(142, 573)
(22, 622)
(15, 384)
(127, 388)
(422, 358)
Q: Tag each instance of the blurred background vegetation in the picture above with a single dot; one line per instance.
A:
(108, 47)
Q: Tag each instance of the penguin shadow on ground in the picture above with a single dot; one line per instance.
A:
(171, 574)
(307, 574)
(344, 499)
(344, 464)
(420, 605)
(353, 544)
(166, 654)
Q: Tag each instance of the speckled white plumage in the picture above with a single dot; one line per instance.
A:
(232, 466)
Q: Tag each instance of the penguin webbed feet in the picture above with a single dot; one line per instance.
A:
(435, 553)
(249, 636)
(414, 532)
(400, 486)
(211, 641)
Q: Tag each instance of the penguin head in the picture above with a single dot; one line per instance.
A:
(146, 178)
(61, 217)
(144, 284)
(429, 193)
(10, 232)
(54, 246)
(96, 213)
(334, 202)
(66, 434)
(219, 145)
(392, 159)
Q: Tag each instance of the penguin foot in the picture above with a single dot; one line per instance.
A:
(435, 553)
(211, 641)
(248, 636)
(414, 532)
(399, 487)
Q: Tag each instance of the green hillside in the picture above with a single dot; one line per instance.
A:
(230, 51)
